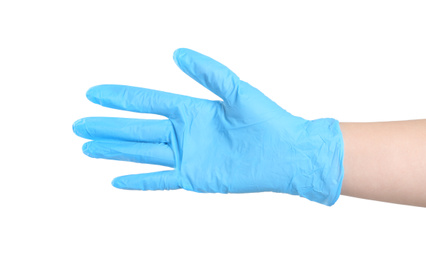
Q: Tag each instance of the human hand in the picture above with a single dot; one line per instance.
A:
(243, 143)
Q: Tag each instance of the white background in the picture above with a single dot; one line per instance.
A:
(350, 60)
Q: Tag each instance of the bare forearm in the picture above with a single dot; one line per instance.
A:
(386, 161)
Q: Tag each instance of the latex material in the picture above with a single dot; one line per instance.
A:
(242, 143)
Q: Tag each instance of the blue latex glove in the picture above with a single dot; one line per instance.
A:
(245, 143)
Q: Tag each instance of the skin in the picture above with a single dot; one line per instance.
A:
(386, 161)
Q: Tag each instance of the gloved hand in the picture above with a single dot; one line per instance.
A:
(245, 143)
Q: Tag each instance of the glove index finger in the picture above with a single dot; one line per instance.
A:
(211, 74)
(140, 100)
(124, 129)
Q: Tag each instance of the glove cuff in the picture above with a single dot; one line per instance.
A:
(327, 161)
